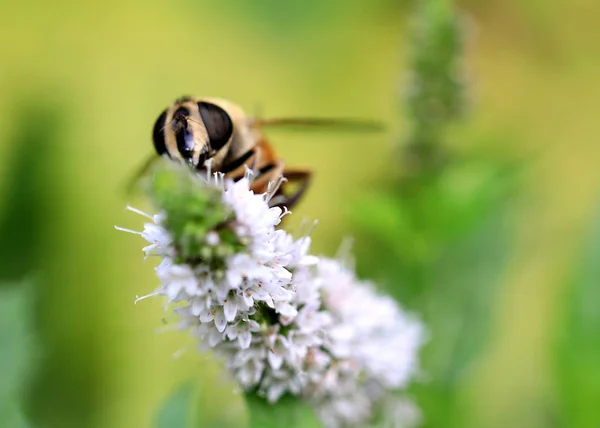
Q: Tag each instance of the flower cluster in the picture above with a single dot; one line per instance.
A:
(373, 346)
(284, 321)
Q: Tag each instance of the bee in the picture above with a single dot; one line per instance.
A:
(194, 130)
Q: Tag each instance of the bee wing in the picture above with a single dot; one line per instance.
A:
(321, 124)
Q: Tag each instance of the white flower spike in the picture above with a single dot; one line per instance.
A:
(283, 320)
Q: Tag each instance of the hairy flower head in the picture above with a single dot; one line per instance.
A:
(283, 320)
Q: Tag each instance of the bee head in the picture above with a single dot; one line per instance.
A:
(194, 131)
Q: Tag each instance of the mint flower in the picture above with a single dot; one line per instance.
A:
(372, 342)
(282, 320)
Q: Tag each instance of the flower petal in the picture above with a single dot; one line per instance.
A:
(285, 309)
(275, 391)
(230, 309)
(220, 321)
(244, 339)
(214, 337)
(275, 360)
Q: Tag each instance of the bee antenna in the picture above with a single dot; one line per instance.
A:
(173, 120)
(167, 124)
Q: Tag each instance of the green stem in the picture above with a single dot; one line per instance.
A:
(288, 412)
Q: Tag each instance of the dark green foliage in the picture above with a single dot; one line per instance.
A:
(578, 345)
(438, 237)
(442, 256)
(24, 204)
(26, 220)
(411, 231)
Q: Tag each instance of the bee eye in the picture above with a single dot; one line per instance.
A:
(218, 124)
(158, 134)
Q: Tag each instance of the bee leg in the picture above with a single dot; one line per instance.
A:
(143, 170)
(237, 163)
(302, 177)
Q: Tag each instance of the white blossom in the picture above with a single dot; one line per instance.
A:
(373, 343)
(283, 320)
(223, 299)
(226, 309)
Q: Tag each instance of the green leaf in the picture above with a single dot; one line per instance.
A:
(16, 356)
(24, 211)
(578, 344)
(378, 213)
(11, 416)
(176, 411)
(457, 308)
(448, 270)
(288, 412)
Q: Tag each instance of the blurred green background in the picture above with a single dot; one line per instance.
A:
(515, 328)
